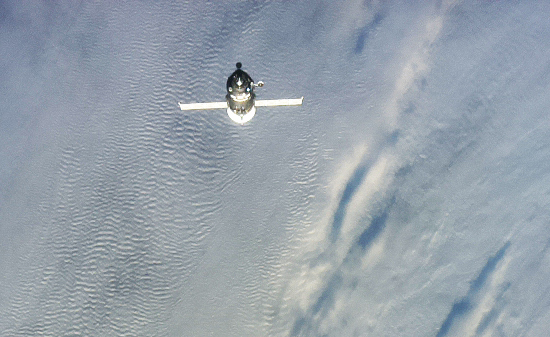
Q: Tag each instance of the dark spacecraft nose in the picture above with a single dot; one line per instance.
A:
(240, 84)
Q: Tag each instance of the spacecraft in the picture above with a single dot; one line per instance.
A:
(240, 100)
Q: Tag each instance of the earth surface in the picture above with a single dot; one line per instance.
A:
(408, 196)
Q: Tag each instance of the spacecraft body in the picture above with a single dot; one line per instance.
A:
(241, 100)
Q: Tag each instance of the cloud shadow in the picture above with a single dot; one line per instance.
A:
(464, 304)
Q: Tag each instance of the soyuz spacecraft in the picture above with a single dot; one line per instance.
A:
(240, 100)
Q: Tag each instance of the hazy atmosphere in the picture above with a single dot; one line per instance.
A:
(408, 196)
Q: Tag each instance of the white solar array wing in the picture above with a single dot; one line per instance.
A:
(203, 106)
(279, 102)
(223, 105)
